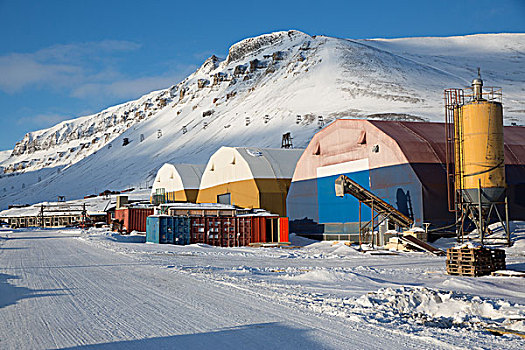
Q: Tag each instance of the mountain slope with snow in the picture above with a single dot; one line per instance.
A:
(268, 85)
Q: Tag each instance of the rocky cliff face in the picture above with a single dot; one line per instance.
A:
(72, 140)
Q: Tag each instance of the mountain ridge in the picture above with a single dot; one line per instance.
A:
(266, 86)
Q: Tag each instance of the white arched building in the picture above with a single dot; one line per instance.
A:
(177, 183)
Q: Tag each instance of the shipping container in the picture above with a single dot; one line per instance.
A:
(243, 231)
(168, 229)
(181, 230)
(198, 229)
(152, 229)
(283, 230)
(238, 231)
(134, 219)
(258, 234)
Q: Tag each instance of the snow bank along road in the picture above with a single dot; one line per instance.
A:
(61, 289)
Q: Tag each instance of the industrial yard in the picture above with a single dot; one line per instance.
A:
(96, 290)
(244, 175)
(407, 234)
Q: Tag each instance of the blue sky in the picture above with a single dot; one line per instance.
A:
(64, 59)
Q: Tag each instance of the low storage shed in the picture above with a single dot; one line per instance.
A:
(249, 177)
(176, 183)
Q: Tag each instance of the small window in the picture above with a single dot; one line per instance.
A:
(224, 198)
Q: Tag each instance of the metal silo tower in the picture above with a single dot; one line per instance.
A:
(475, 158)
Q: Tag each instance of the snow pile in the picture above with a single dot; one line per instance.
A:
(439, 308)
(330, 250)
(408, 294)
(468, 245)
(454, 317)
(101, 233)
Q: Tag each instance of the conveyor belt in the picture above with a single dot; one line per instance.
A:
(344, 185)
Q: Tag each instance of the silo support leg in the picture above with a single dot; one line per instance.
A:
(481, 226)
(507, 220)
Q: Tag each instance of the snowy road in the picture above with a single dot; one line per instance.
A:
(57, 291)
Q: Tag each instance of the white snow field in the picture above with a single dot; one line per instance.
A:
(95, 289)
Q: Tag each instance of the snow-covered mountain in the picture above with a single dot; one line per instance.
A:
(266, 86)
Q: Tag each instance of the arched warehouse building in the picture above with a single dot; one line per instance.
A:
(401, 162)
(177, 183)
(249, 177)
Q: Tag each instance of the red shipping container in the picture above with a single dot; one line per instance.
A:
(243, 230)
(197, 229)
(134, 219)
(238, 231)
(212, 230)
(258, 229)
(283, 230)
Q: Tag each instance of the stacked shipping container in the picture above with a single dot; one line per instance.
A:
(168, 229)
(238, 231)
(229, 231)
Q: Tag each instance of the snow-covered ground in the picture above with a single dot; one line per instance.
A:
(62, 288)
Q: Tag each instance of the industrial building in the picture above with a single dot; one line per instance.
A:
(249, 177)
(56, 214)
(176, 183)
(403, 163)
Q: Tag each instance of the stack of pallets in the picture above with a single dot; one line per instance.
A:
(477, 261)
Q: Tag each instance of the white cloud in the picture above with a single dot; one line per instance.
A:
(130, 88)
(60, 66)
(43, 120)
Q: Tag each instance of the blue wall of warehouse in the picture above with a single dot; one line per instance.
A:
(315, 199)
(341, 209)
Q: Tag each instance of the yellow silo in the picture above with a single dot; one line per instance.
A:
(481, 150)
(475, 160)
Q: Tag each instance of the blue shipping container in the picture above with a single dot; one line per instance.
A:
(168, 229)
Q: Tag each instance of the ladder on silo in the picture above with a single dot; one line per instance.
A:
(345, 185)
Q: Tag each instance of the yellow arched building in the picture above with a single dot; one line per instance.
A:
(249, 177)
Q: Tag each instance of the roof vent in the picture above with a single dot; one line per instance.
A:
(362, 138)
(317, 151)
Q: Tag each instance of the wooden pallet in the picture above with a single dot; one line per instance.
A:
(465, 270)
(478, 261)
(508, 273)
